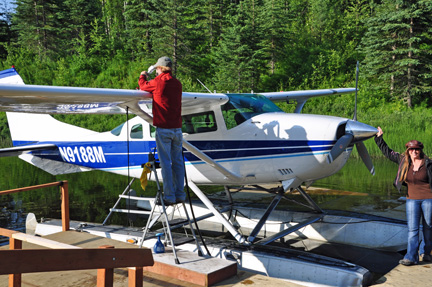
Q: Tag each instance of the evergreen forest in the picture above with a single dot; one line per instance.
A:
(235, 46)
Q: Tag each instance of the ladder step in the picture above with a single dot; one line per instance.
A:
(135, 197)
(130, 211)
(175, 224)
(182, 240)
(177, 221)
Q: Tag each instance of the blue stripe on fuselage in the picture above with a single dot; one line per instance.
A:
(103, 155)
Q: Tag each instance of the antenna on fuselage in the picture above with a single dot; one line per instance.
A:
(355, 101)
(204, 86)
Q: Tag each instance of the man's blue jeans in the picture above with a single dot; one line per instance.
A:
(169, 143)
(416, 209)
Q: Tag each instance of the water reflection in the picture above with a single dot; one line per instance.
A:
(354, 176)
(93, 193)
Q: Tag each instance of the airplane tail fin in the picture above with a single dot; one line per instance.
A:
(28, 128)
(10, 76)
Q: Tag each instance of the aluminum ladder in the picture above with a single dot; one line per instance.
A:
(168, 225)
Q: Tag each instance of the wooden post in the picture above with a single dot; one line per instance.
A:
(65, 205)
(14, 279)
(135, 275)
(105, 277)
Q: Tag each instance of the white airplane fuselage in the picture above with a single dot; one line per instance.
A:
(271, 147)
(266, 148)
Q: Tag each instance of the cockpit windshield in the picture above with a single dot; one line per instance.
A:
(242, 107)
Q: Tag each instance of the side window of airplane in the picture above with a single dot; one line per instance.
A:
(136, 132)
(231, 116)
(152, 131)
(116, 131)
(199, 123)
(195, 123)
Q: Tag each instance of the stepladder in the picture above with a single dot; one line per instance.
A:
(163, 219)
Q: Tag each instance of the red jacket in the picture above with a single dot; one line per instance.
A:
(167, 96)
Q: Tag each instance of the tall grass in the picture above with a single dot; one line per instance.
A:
(399, 127)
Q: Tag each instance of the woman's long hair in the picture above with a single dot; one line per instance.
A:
(407, 163)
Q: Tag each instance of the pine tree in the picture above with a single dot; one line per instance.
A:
(166, 34)
(113, 16)
(5, 29)
(394, 49)
(194, 40)
(36, 24)
(235, 59)
(79, 21)
(140, 21)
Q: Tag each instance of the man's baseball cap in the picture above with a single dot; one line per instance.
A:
(164, 61)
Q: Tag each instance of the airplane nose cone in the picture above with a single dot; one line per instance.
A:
(360, 131)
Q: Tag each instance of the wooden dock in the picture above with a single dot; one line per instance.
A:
(193, 271)
(416, 275)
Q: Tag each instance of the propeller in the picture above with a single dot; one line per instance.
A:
(339, 147)
(364, 155)
(355, 133)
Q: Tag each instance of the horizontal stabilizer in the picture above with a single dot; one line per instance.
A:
(51, 166)
(15, 151)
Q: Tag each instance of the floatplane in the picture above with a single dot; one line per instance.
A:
(230, 139)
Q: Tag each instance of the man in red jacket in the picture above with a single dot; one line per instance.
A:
(167, 93)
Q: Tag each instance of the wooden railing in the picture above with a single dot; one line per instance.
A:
(64, 197)
(62, 257)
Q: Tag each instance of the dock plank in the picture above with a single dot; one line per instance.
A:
(86, 278)
(203, 271)
(416, 275)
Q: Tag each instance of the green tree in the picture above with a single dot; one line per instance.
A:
(194, 41)
(275, 20)
(235, 58)
(139, 24)
(5, 29)
(80, 17)
(37, 26)
(394, 49)
(114, 22)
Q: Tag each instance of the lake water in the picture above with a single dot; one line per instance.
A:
(91, 194)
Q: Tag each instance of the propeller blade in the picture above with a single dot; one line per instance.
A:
(339, 147)
(361, 148)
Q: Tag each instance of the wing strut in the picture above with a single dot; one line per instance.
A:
(216, 213)
(202, 156)
(136, 109)
(286, 185)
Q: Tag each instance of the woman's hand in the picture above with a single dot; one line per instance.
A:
(380, 132)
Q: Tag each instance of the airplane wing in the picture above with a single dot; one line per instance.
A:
(17, 97)
(302, 96)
